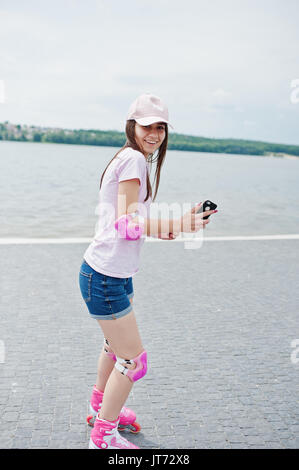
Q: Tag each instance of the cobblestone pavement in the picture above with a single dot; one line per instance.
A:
(217, 322)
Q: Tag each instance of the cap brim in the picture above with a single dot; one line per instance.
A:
(146, 121)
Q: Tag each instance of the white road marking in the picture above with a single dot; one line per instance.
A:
(39, 241)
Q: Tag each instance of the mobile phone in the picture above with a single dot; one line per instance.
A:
(207, 206)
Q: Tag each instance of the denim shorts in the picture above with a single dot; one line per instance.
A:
(106, 297)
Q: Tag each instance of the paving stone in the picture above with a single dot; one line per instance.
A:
(226, 379)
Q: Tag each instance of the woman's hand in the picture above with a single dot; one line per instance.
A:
(193, 222)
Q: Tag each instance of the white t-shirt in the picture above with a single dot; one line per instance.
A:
(108, 253)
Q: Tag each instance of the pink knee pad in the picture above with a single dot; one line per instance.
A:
(111, 355)
(140, 369)
(132, 231)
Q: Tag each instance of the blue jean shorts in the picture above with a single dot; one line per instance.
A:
(106, 297)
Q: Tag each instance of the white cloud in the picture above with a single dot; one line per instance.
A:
(249, 123)
(220, 93)
(78, 64)
(220, 100)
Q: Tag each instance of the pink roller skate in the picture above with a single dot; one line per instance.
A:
(127, 416)
(106, 436)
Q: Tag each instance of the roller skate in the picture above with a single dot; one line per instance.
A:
(127, 416)
(106, 436)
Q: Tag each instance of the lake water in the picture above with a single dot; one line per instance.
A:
(51, 190)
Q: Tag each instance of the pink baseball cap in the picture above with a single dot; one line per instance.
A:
(147, 109)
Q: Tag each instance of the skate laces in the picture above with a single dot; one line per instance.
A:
(103, 428)
(107, 426)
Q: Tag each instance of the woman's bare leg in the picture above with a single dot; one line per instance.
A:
(124, 339)
(105, 366)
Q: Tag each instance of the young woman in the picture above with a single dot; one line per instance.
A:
(113, 258)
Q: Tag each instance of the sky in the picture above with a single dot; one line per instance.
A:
(225, 68)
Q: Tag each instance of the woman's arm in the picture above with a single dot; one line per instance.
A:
(128, 192)
(191, 221)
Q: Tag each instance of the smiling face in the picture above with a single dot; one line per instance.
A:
(149, 138)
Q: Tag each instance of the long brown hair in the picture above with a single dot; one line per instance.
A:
(131, 142)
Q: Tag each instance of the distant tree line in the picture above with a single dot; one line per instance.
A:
(183, 142)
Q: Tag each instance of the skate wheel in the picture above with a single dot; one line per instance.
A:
(90, 420)
(135, 427)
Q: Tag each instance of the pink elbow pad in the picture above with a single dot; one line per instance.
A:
(129, 232)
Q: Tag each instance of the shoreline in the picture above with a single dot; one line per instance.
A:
(266, 154)
(281, 155)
